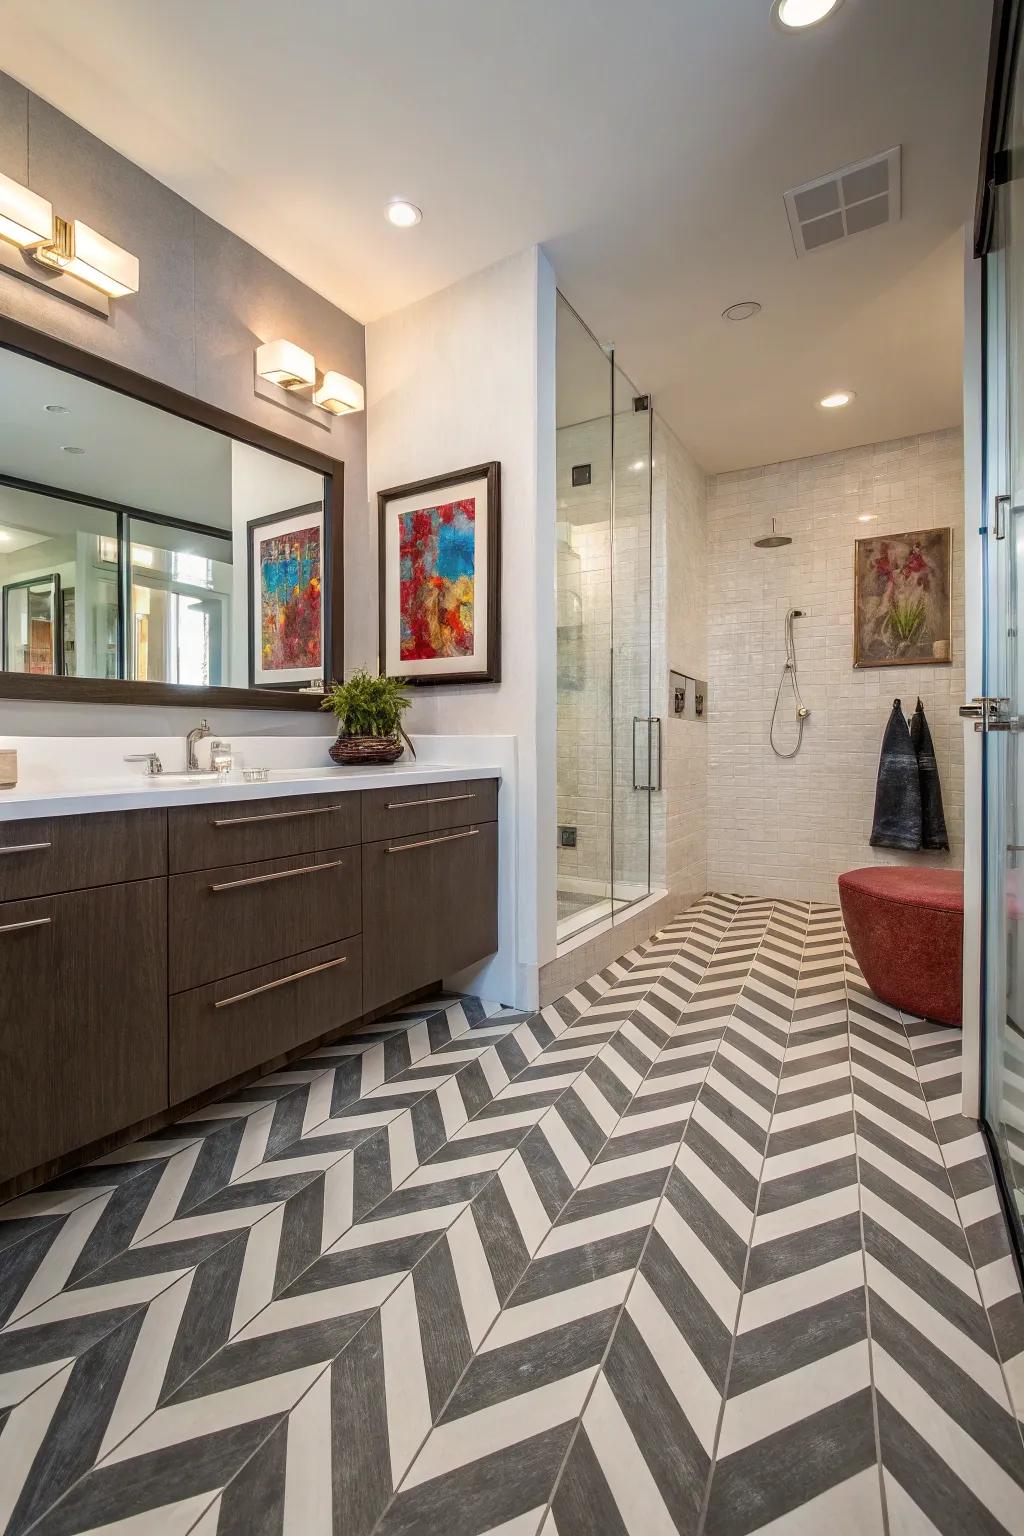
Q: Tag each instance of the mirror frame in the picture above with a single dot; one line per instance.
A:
(15, 337)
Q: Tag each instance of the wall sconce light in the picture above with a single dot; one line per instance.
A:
(25, 217)
(339, 394)
(285, 364)
(83, 253)
(67, 247)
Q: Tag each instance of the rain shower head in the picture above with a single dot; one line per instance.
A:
(772, 540)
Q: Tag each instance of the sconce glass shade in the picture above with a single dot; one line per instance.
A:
(339, 394)
(101, 263)
(282, 362)
(25, 217)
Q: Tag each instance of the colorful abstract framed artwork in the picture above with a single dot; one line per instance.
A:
(286, 580)
(440, 578)
(902, 609)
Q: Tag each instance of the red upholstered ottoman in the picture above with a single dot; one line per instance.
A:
(906, 929)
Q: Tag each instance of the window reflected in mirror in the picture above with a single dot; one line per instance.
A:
(137, 545)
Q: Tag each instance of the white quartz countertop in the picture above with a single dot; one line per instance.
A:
(133, 790)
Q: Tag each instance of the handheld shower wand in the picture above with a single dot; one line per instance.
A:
(789, 670)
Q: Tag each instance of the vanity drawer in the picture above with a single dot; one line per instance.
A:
(68, 853)
(427, 807)
(221, 1030)
(229, 919)
(205, 836)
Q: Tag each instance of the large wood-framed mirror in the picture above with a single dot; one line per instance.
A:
(155, 549)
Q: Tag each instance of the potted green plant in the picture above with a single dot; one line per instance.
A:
(369, 712)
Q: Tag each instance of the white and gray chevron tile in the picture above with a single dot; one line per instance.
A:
(704, 1247)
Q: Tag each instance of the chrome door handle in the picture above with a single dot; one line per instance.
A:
(998, 525)
(25, 847)
(282, 981)
(279, 874)
(427, 842)
(33, 922)
(987, 715)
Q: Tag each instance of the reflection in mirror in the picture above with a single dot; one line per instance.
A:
(137, 545)
(180, 586)
(59, 585)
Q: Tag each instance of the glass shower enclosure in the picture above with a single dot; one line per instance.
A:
(608, 744)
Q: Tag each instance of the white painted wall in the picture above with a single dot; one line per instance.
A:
(462, 377)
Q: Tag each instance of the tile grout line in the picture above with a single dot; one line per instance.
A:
(963, 1226)
(706, 1504)
(863, 1245)
(548, 1508)
(653, 1063)
(283, 1417)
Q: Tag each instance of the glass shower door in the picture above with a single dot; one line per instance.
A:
(584, 624)
(636, 737)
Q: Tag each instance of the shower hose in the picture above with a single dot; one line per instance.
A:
(789, 670)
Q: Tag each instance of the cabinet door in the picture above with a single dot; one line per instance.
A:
(430, 907)
(83, 1018)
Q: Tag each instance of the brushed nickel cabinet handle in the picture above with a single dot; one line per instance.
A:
(280, 874)
(268, 986)
(33, 922)
(403, 805)
(25, 847)
(427, 842)
(248, 821)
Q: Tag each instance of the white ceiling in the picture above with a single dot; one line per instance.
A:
(646, 145)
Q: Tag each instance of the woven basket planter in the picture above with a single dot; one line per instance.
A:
(366, 749)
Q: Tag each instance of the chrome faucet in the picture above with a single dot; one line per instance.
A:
(195, 735)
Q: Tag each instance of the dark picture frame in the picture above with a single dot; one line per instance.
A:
(431, 492)
(16, 337)
(312, 509)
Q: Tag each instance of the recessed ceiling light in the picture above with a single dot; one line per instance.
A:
(868, 517)
(56, 410)
(837, 400)
(402, 214)
(65, 448)
(746, 309)
(794, 15)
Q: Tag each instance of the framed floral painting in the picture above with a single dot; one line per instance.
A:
(440, 578)
(286, 619)
(902, 599)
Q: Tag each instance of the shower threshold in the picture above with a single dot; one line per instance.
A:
(580, 911)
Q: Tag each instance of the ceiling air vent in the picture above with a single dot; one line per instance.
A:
(846, 202)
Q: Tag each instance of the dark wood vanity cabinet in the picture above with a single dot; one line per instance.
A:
(430, 907)
(149, 957)
(83, 1018)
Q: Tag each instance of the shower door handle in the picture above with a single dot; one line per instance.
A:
(651, 782)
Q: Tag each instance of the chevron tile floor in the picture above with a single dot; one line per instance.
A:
(704, 1247)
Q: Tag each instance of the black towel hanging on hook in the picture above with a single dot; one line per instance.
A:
(897, 819)
(933, 820)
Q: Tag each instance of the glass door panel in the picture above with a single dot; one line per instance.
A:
(635, 736)
(584, 621)
(1003, 1016)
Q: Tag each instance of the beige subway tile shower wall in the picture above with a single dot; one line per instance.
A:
(791, 827)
